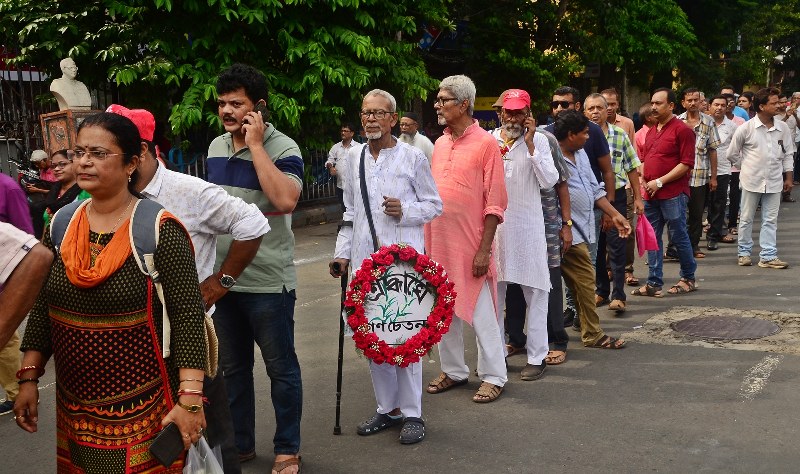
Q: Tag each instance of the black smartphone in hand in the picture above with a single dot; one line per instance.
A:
(168, 445)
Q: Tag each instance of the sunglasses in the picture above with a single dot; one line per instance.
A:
(563, 103)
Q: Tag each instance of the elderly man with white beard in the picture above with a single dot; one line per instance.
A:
(521, 246)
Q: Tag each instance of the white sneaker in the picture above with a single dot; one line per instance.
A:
(774, 263)
(745, 261)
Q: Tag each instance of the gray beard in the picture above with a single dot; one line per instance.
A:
(512, 130)
(441, 120)
(374, 135)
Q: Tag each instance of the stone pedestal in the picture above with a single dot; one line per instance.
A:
(60, 129)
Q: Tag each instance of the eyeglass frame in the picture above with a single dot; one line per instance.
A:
(365, 114)
(62, 164)
(95, 154)
(440, 101)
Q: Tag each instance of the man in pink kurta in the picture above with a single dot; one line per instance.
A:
(468, 171)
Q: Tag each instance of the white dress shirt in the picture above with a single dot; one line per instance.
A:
(400, 172)
(336, 157)
(725, 130)
(206, 210)
(762, 155)
(521, 254)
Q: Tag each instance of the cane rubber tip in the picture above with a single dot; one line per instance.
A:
(337, 430)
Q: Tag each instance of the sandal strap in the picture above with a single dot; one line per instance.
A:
(281, 465)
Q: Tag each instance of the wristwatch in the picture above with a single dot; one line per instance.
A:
(190, 408)
(659, 184)
(567, 222)
(227, 281)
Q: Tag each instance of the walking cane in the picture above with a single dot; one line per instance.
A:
(337, 429)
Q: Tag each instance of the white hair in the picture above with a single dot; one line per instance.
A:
(38, 155)
(596, 96)
(385, 95)
(462, 88)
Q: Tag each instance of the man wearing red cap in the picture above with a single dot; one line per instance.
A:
(206, 210)
(521, 245)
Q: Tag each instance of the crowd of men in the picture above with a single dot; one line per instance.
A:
(510, 213)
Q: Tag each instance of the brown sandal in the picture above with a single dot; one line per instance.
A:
(631, 280)
(687, 287)
(280, 466)
(443, 383)
(555, 357)
(608, 342)
(487, 393)
(511, 350)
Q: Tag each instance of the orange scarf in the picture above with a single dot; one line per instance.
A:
(76, 257)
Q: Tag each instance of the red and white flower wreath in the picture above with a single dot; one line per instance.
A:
(438, 322)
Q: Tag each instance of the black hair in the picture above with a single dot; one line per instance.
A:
(126, 134)
(348, 126)
(689, 90)
(62, 152)
(719, 97)
(569, 121)
(727, 86)
(728, 97)
(610, 91)
(241, 76)
(567, 90)
(762, 97)
(670, 94)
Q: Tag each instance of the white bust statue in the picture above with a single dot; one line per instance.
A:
(69, 92)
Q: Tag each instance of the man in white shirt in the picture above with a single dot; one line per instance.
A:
(206, 210)
(336, 157)
(399, 180)
(521, 244)
(788, 115)
(763, 150)
(717, 199)
(409, 133)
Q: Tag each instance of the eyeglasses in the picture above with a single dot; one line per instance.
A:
(440, 101)
(563, 103)
(378, 114)
(95, 154)
(62, 164)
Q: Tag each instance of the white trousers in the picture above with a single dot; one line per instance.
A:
(491, 348)
(398, 387)
(536, 344)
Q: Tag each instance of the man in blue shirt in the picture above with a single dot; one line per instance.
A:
(572, 131)
(737, 111)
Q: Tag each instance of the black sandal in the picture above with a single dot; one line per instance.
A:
(413, 430)
(379, 422)
(608, 342)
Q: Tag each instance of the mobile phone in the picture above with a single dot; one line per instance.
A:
(262, 107)
(168, 445)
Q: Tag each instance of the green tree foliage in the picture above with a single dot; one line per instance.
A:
(539, 45)
(319, 56)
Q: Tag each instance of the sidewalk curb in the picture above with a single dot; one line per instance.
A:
(316, 215)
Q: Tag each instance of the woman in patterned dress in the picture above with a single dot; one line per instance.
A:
(94, 317)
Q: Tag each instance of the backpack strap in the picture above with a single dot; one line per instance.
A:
(61, 221)
(144, 233)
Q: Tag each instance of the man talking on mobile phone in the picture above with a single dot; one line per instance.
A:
(261, 165)
(521, 243)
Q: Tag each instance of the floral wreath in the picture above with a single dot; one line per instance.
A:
(437, 323)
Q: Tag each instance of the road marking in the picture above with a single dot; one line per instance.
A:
(304, 261)
(318, 300)
(756, 377)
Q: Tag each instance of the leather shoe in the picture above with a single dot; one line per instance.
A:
(533, 372)
(712, 245)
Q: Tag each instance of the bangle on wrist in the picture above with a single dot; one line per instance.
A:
(30, 367)
(192, 380)
(22, 381)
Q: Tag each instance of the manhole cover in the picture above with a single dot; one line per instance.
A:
(726, 327)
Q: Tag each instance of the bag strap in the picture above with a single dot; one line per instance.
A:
(365, 197)
(61, 221)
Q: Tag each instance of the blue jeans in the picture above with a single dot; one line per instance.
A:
(767, 239)
(268, 320)
(671, 212)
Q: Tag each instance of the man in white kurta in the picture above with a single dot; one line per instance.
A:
(402, 198)
(521, 245)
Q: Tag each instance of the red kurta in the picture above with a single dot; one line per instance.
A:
(469, 175)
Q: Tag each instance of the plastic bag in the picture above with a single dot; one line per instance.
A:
(202, 460)
(645, 235)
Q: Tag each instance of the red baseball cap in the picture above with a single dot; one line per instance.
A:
(143, 120)
(516, 99)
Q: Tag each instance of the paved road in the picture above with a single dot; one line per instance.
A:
(650, 407)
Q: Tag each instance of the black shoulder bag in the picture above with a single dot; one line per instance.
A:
(365, 197)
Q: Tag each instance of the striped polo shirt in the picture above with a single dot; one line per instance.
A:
(272, 269)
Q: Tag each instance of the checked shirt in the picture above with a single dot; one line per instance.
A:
(706, 138)
(623, 155)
